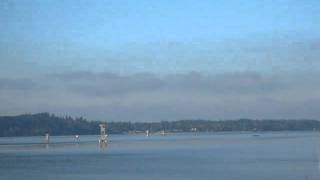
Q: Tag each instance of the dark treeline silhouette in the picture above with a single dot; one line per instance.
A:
(39, 124)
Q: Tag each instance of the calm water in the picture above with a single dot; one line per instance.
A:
(222, 156)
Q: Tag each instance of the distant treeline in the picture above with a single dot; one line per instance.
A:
(39, 124)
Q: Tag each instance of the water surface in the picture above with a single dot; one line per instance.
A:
(221, 156)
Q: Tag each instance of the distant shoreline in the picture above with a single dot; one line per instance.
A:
(39, 124)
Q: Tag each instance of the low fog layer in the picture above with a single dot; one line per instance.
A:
(150, 97)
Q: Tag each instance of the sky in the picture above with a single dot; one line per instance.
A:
(123, 60)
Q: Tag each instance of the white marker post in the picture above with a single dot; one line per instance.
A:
(47, 138)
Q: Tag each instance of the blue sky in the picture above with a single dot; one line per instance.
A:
(116, 35)
(152, 60)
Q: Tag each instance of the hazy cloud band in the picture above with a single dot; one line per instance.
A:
(148, 97)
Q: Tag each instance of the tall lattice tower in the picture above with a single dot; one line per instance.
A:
(103, 133)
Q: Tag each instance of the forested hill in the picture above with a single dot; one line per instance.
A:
(39, 124)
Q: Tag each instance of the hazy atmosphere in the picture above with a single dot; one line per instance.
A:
(161, 60)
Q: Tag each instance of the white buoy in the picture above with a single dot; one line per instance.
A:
(147, 133)
(76, 137)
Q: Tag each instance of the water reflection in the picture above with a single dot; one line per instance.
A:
(103, 145)
(285, 156)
